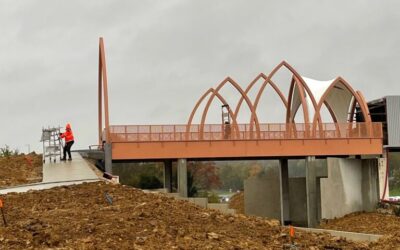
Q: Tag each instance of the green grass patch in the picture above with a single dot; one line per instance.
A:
(394, 191)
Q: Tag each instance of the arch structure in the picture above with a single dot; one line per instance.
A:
(304, 130)
(307, 94)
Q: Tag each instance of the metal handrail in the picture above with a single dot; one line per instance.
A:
(215, 132)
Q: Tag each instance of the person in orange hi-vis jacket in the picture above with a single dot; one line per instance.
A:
(69, 140)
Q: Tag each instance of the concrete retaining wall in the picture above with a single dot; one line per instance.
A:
(342, 186)
(262, 196)
(370, 184)
(298, 201)
(222, 207)
(347, 235)
(341, 191)
(202, 202)
(351, 186)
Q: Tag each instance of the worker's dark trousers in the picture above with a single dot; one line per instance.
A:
(67, 149)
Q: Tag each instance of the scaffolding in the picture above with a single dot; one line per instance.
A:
(52, 144)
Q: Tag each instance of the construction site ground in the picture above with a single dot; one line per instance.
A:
(237, 202)
(100, 215)
(380, 223)
(20, 169)
(372, 223)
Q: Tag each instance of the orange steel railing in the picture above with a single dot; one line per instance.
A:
(215, 132)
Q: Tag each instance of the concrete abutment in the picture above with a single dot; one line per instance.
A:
(322, 189)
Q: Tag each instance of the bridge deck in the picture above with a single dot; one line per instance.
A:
(228, 141)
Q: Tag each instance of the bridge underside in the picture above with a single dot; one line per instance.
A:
(245, 148)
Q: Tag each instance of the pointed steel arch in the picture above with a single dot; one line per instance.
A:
(333, 115)
(360, 100)
(352, 109)
(214, 93)
(300, 83)
(356, 99)
(250, 86)
(290, 117)
(364, 103)
(289, 114)
(103, 92)
(243, 94)
(366, 109)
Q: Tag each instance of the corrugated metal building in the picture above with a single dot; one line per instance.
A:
(393, 121)
(387, 111)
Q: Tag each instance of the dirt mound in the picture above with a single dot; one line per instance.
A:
(388, 242)
(237, 202)
(105, 216)
(20, 169)
(372, 223)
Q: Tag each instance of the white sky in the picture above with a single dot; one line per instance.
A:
(162, 55)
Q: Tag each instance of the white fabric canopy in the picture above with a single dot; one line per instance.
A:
(339, 98)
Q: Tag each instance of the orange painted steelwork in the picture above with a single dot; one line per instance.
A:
(311, 138)
(244, 148)
(103, 88)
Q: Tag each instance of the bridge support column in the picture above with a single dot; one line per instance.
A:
(168, 175)
(108, 157)
(284, 190)
(311, 192)
(182, 177)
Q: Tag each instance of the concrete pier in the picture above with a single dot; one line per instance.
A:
(108, 157)
(182, 178)
(311, 191)
(168, 175)
(284, 190)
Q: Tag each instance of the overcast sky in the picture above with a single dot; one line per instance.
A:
(162, 55)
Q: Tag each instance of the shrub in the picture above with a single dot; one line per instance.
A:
(149, 182)
(7, 152)
(213, 198)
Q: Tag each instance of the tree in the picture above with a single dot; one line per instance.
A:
(192, 189)
(255, 169)
(148, 181)
(135, 174)
(233, 174)
(203, 175)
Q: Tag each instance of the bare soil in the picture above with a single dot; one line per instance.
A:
(20, 169)
(371, 223)
(81, 217)
(237, 202)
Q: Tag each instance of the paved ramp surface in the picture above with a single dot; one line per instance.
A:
(60, 174)
(76, 169)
